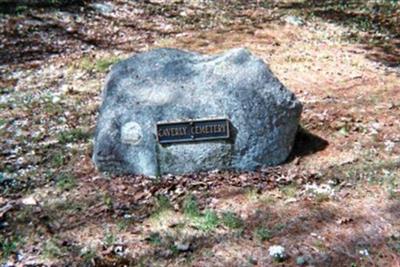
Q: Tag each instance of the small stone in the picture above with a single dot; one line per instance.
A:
(301, 261)
(364, 252)
(183, 247)
(55, 99)
(128, 216)
(296, 21)
(290, 200)
(29, 201)
(103, 8)
(252, 260)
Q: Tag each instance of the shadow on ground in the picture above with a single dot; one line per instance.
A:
(375, 24)
(44, 32)
(306, 144)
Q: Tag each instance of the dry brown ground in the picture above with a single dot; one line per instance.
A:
(338, 194)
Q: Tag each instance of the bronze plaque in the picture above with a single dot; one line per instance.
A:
(192, 131)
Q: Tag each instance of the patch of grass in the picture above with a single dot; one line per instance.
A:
(174, 249)
(109, 238)
(24, 214)
(154, 238)
(4, 106)
(2, 122)
(289, 191)
(208, 222)
(393, 193)
(99, 65)
(66, 181)
(207, 253)
(163, 203)
(231, 220)
(296, 59)
(279, 227)
(52, 109)
(162, 209)
(103, 64)
(320, 245)
(262, 233)
(166, 42)
(21, 9)
(267, 199)
(88, 256)
(191, 207)
(57, 210)
(86, 63)
(73, 135)
(392, 182)
(123, 224)
(252, 194)
(375, 171)
(58, 159)
(107, 200)
(9, 246)
(321, 197)
(52, 250)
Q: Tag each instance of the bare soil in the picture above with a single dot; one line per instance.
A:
(335, 202)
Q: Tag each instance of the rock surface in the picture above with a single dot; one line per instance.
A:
(170, 85)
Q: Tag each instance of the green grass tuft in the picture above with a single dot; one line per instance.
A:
(51, 250)
(103, 64)
(107, 201)
(73, 136)
(9, 246)
(191, 207)
(154, 238)
(58, 159)
(208, 222)
(109, 239)
(98, 65)
(231, 220)
(88, 256)
(66, 181)
(163, 203)
(262, 233)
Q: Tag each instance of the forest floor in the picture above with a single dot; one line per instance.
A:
(335, 202)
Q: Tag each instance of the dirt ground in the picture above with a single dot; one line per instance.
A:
(335, 202)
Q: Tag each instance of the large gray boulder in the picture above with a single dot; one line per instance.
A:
(170, 85)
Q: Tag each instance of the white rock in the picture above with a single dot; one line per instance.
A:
(389, 145)
(294, 20)
(277, 252)
(55, 99)
(103, 8)
(364, 252)
(29, 201)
